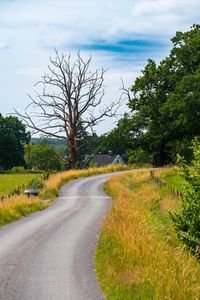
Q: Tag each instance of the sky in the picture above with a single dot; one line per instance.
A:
(119, 35)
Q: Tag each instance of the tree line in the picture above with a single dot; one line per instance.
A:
(164, 105)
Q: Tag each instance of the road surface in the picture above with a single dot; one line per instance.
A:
(49, 255)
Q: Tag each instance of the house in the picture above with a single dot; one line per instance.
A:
(102, 159)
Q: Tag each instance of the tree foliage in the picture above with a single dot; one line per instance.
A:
(119, 139)
(12, 137)
(165, 99)
(187, 220)
(43, 157)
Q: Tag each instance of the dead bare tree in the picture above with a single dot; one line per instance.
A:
(69, 97)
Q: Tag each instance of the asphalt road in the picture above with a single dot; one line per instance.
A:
(49, 255)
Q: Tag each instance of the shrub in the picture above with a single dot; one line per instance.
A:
(18, 170)
(2, 171)
(187, 220)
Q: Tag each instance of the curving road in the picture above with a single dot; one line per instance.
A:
(49, 255)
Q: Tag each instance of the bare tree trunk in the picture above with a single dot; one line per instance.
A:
(72, 147)
(159, 158)
(68, 96)
(72, 152)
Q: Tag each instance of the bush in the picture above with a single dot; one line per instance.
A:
(139, 158)
(2, 171)
(187, 220)
(36, 183)
(18, 170)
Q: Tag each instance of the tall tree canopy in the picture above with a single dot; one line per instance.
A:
(166, 98)
(12, 137)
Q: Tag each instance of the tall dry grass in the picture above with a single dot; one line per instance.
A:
(55, 181)
(133, 261)
(17, 206)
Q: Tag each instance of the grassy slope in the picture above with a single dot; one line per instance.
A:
(172, 177)
(139, 255)
(8, 182)
(18, 206)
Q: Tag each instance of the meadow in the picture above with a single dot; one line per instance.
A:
(139, 255)
(9, 182)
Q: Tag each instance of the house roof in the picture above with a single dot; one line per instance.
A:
(103, 159)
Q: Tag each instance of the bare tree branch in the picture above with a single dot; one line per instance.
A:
(126, 92)
(69, 95)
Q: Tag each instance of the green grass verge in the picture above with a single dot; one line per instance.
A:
(139, 256)
(173, 178)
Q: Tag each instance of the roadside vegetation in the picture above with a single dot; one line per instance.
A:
(55, 181)
(139, 255)
(172, 177)
(9, 182)
(187, 219)
(18, 206)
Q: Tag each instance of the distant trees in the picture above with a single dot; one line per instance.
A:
(88, 145)
(117, 139)
(13, 136)
(68, 102)
(165, 101)
(123, 140)
(43, 157)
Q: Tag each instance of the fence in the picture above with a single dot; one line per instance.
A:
(15, 192)
(174, 192)
(20, 189)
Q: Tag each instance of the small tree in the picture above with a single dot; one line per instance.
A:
(68, 99)
(43, 157)
(187, 220)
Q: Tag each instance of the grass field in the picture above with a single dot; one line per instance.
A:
(8, 182)
(139, 256)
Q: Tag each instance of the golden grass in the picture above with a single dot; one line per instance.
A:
(164, 171)
(134, 260)
(17, 206)
(55, 181)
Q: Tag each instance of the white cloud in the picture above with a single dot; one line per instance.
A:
(155, 7)
(157, 17)
(30, 29)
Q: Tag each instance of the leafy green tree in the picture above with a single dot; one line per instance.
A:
(43, 157)
(139, 157)
(87, 146)
(119, 139)
(13, 136)
(166, 99)
(187, 220)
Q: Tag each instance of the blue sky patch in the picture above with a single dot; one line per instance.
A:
(123, 46)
